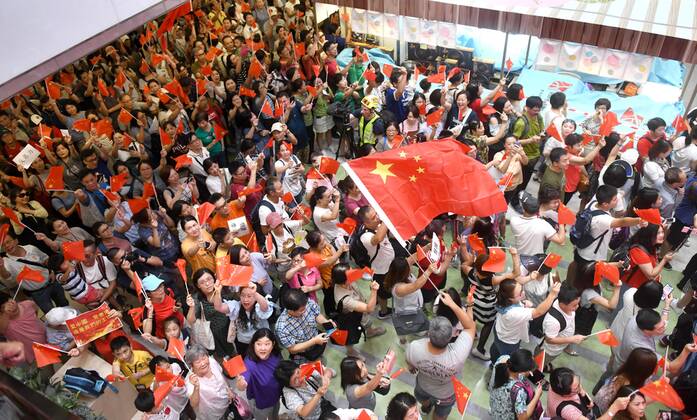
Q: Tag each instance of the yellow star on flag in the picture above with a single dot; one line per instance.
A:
(382, 170)
(417, 158)
(402, 155)
(412, 178)
(420, 170)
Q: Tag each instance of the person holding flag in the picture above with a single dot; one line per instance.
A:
(509, 163)
(209, 393)
(44, 293)
(304, 387)
(512, 395)
(559, 326)
(19, 322)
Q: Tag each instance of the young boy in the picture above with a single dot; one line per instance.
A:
(177, 398)
(145, 402)
(133, 364)
(76, 286)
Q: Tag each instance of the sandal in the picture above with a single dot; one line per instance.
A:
(571, 352)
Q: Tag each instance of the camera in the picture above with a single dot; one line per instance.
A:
(131, 257)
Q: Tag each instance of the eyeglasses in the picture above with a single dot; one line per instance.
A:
(23, 194)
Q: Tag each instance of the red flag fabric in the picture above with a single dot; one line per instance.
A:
(316, 69)
(30, 274)
(117, 182)
(53, 90)
(287, 197)
(109, 195)
(509, 64)
(400, 185)
(605, 270)
(680, 124)
(313, 174)
(156, 59)
(354, 275)
(219, 132)
(421, 255)
(313, 260)
(144, 68)
(82, 125)
(434, 117)
(162, 375)
(176, 348)
(54, 180)
(505, 179)
(277, 110)
(137, 284)
(307, 369)
(312, 91)
(363, 416)
(104, 128)
(552, 260)
(10, 214)
(268, 243)
(340, 337)
(234, 366)
(565, 216)
(165, 139)
(397, 141)
(609, 123)
(608, 338)
(436, 78)
(137, 204)
(540, 361)
(74, 250)
(652, 216)
(348, 225)
(255, 69)
(266, 109)
(328, 165)
(181, 265)
(182, 161)
(410, 186)
(237, 275)
(103, 89)
(387, 70)
(124, 117)
(553, 132)
(163, 390)
(45, 355)
(148, 190)
(496, 261)
(137, 316)
(396, 374)
(462, 394)
(369, 74)
(476, 243)
(299, 49)
(201, 86)
(204, 211)
(247, 92)
(246, 191)
(660, 390)
(120, 79)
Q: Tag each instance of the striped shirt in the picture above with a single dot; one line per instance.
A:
(484, 298)
(72, 283)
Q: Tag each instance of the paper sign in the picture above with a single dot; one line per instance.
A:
(93, 324)
(238, 226)
(434, 255)
(26, 157)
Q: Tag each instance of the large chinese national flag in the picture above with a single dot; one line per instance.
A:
(411, 185)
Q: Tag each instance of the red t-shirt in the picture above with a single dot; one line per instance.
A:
(638, 256)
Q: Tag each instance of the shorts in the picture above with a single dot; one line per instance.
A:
(442, 407)
(93, 295)
(382, 292)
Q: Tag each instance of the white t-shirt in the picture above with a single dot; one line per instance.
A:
(653, 174)
(435, 370)
(215, 185)
(599, 224)
(265, 211)
(94, 277)
(293, 178)
(512, 326)
(683, 157)
(551, 327)
(197, 161)
(381, 263)
(327, 227)
(213, 394)
(530, 234)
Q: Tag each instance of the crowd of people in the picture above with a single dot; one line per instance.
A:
(193, 145)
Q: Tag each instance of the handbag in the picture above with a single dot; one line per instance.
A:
(410, 323)
(232, 332)
(239, 409)
(201, 331)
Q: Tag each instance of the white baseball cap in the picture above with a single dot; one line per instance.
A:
(630, 156)
(58, 316)
(277, 126)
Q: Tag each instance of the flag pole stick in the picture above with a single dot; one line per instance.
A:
(182, 358)
(70, 191)
(665, 363)
(543, 263)
(599, 332)
(49, 347)
(19, 286)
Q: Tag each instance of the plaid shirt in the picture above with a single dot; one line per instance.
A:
(291, 330)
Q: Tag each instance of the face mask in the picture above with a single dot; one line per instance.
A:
(494, 129)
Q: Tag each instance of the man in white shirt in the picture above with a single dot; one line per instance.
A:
(559, 325)
(531, 231)
(98, 272)
(273, 197)
(671, 191)
(380, 251)
(683, 158)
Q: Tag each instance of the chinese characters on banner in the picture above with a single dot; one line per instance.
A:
(93, 324)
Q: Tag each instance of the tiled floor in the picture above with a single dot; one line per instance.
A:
(589, 364)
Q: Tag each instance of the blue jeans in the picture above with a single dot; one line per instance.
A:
(46, 297)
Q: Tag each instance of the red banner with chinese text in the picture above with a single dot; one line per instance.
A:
(93, 324)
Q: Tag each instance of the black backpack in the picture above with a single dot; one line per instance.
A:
(357, 250)
(580, 233)
(556, 314)
(256, 223)
(87, 382)
(349, 321)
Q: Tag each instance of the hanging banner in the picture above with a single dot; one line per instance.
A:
(548, 55)
(591, 59)
(358, 21)
(375, 23)
(391, 26)
(614, 64)
(429, 31)
(638, 68)
(569, 56)
(411, 29)
(446, 34)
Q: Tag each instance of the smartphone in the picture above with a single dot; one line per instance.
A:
(536, 376)
(669, 220)
(327, 326)
(330, 331)
(667, 289)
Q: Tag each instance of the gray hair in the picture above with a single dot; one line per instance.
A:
(194, 353)
(439, 332)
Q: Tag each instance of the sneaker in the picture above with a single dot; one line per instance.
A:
(479, 355)
(386, 314)
(375, 331)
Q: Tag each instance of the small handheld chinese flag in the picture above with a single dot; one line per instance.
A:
(608, 338)
(353, 275)
(660, 390)
(176, 348)
(82, 125)
(165, 139)
(266, 109)
(307, 369)
(312, 91)
(552, 260)
(269, 243)
(137, 204)
(313, 260)
(29, 274)
(255, 69)
(540, 360)
(55, 180)
(234, 366)
(387, 70)
(553, 132)
(328, 165)
(163, 390)
(237, 275)
(476, 243)
(117, 182)
(137, 316)
(505, 179)
(434, 117)
(124, 117)
(340, 337)
(313, 174)
(652, 216)
(680, 124)
(148, 190)
(363, 416)
(462, 394)
(182, 161)
(247, 92)
(565, 216)
(605, 270)
(609, 123)
(246, 191)
(101, 86)
(496, 261)
(53, 90)
(348, 225)
(162, 375)
(287, 197)
(10, 214)
(204, 212)
(74, 250)
(45, 355)
(181, 265)
(509, 64)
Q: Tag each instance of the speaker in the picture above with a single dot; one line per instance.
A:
(483, 71)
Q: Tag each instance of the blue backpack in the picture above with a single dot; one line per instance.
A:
(580, 234)
(86, 382)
